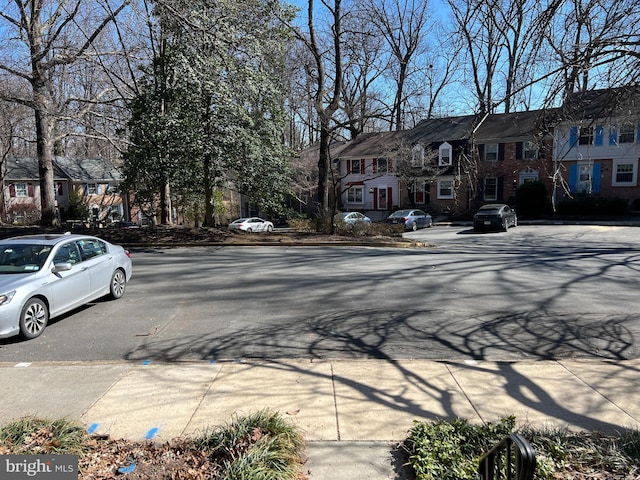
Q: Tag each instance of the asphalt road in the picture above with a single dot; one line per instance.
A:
(533, 292)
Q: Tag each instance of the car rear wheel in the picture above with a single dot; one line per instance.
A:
(118, 284)
(33, 318)
(249, 230)
(414, 226)
(505, 225)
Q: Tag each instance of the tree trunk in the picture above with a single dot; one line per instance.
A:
(165, 205)
(44, 144)
(209, 221)
(324, 168)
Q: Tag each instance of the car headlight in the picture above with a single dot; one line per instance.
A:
(6, 297)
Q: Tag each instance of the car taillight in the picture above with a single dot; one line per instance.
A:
(127, 253)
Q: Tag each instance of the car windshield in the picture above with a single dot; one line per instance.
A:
(401, 213)
(240, 220)
(23, 258)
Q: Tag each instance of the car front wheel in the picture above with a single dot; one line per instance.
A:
(269, 229)
(414, 226)
(118, 284)
(33, 318)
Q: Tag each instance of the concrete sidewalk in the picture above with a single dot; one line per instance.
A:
(352, 413)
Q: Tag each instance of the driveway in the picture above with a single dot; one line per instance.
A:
(532, 292)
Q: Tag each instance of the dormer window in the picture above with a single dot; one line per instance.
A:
(445, 155)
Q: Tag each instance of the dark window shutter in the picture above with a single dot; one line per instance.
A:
(519, 150)
(599, 135)
(12, 190)
(501, 151)
(481, 151)
(500, 189)
(30, 189)
(573, 137)
(573, 178)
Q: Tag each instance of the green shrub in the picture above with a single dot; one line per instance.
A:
(451, 450)
(531, 199)
(592, 206)
(261, 446)
(32, 435)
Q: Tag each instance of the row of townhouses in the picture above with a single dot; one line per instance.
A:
(94, 180)
(589, 147)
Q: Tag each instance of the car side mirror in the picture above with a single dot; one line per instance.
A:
(61, 267)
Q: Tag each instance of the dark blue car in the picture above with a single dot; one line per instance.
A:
(412, 219)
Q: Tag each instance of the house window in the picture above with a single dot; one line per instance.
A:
(586, 136)
(490, 188)
(22, 190)
(529, 151)
(491, 152)
(381, 165)
(355, 195)
(417, 156)
(354, 166)
(627, 133)
(445, 188)
(445, 155)
(59, 189)
(90, 188)
(625, 173)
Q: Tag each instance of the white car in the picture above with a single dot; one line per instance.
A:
(251, 224)
(44, 276)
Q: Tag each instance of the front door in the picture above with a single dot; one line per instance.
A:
(382, 199)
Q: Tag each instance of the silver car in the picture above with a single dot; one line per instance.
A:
(44, 276)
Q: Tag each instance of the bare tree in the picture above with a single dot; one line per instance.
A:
(594, 44)
(48, 37)
(327, 92)
(404, 25)
(364, 65)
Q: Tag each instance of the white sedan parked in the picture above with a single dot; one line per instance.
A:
(44, 276)
(251, 224)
